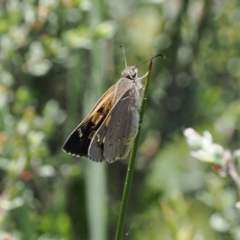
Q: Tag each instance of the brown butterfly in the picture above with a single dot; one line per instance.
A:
(109, 129)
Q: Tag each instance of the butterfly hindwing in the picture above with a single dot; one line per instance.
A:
(113, 138)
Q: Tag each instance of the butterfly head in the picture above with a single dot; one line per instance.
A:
(130, 72)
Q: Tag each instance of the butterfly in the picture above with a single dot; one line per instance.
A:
(109, 129)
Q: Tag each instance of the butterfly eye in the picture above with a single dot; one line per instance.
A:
(130, 73)
(133, 73)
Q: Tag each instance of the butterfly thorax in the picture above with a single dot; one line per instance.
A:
(130, 86)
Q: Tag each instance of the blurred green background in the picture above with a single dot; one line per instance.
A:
(57, 58)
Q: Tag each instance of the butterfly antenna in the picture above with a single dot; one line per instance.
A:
(158, 55)
(124, 55)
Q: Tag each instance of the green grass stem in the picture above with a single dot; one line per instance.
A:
(131, 163)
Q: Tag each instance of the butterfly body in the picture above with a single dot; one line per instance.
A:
(109, 129)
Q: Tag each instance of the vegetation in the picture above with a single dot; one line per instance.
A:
(58, 57)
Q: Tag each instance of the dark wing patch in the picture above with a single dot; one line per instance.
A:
(79, 140)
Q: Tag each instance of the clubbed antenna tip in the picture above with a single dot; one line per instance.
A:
(124, 55)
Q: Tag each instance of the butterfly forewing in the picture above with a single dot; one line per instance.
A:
(79, 140)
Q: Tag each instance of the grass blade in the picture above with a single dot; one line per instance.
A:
(128, 180)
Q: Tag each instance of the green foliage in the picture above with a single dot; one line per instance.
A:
(58, 57)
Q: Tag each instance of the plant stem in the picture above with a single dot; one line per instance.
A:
(131, 163)
(230, 169)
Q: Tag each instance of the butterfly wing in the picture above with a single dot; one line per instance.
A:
(114, 137)
(79, 140)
